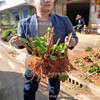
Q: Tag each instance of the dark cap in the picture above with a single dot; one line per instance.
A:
(78, 15)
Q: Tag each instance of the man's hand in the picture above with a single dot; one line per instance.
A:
(72, 42)
(15, 40)
(85, 26)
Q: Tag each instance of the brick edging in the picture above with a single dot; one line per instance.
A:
(94, 89)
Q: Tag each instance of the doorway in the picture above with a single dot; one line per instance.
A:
(17, 17)
(78, 8)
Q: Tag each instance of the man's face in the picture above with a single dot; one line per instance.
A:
(44, 5)
(78, 17)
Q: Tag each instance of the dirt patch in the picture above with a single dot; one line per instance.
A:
(87, 66)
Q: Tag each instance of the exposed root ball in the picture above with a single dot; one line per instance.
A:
(47, 67)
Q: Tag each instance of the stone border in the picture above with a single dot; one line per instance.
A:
(94, 89)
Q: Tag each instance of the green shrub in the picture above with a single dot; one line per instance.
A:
(14, 30)
(6, 33)
(8, 25)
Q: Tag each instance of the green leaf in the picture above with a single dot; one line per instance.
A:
(63, 50)
(60, 56)
(24, 40)
(94, 64)
(62, 77)
(87, 70)
(53, 57)
(91, 81)
(88, 48)
(58, 48)
(37, 44)
(49, 30)
(61, 46)
(29, 44)
(33, 52)
(43, 50)
(90, 56)
(95, 67)
(65, 46)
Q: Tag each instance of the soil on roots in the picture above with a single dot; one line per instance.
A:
(42, 67)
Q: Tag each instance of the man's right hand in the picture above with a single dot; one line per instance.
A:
(15, 40)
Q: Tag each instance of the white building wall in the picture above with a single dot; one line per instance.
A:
(94, 15)
(10, 3)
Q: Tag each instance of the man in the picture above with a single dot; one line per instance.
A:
(80, 23)
(37, 25)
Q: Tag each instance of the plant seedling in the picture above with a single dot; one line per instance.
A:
(88, 48)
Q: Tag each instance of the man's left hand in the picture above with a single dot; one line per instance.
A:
(72, 42)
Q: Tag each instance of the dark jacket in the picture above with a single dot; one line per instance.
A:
(80, 22)
(62, 27)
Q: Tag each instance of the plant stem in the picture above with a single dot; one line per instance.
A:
(28, 48)
(52, 36)
(50, 41)
(56, 46)
(30, 39)
(69, 40)
(48, 35)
